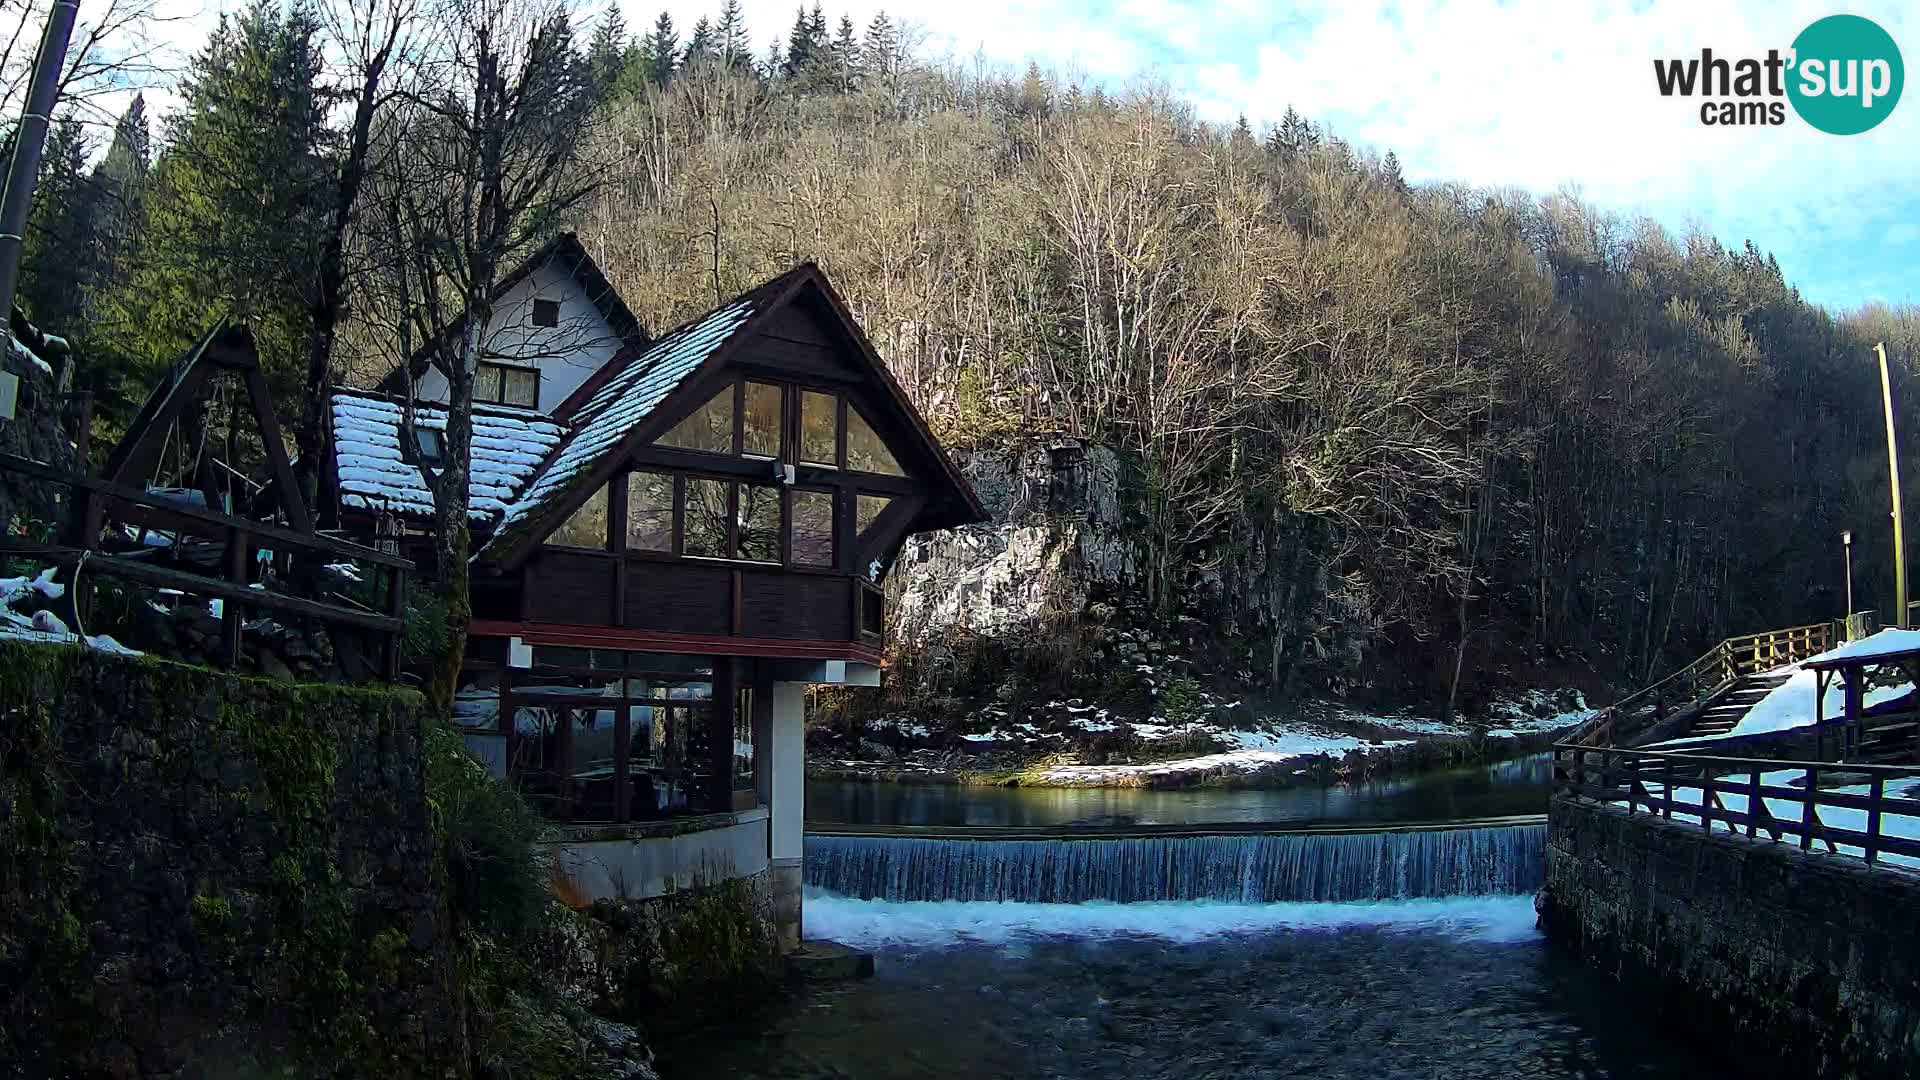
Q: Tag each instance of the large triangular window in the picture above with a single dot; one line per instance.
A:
(865, 450)
(709, 428)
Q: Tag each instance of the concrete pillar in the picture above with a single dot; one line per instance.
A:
(787, 774)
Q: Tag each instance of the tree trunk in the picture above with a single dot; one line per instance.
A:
(330, 291)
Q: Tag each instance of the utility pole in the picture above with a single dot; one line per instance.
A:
(1893, 480)
(42, 90)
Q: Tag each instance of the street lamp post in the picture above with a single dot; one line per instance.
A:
(1846, 545)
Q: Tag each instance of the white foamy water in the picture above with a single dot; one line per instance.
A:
(942, 923)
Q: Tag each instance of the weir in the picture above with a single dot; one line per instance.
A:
(1306, 865)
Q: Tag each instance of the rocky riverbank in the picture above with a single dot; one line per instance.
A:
(1075, 744)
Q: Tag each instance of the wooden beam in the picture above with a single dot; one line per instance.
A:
(165, 577)
(611, 637)
(291, 499)
(138, 496)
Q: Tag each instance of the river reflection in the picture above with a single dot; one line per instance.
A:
(1519, 786)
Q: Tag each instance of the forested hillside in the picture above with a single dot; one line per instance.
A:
(1463, 428)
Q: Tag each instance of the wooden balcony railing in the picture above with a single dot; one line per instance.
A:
(239, 539)
(1875, 816)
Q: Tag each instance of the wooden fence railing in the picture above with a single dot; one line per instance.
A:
(1739, 794)
(1712, 672)
(240, 538)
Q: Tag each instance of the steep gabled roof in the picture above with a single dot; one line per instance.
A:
(605, 421)
(607, 424)
(566, 252)
(509, 446)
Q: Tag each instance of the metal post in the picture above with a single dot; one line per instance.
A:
(1893, 482)
(1846, 545)
(31, 136)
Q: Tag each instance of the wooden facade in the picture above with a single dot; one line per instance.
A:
(730, 497)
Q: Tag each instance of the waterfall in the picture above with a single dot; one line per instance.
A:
(1244, 869)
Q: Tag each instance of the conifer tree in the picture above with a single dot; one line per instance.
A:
(607, 53)
(661, 50)
(800, 44)
(879, 55)
(233, 218)
(700, 46)
(56, 263)
(846, 55)
(730, 36)
(1390, 169)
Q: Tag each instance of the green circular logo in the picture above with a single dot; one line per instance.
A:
(1846, 75)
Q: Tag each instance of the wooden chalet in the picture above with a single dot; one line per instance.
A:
(695, 522)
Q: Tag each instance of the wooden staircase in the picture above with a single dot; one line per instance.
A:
(1727, 680)
(1724, 712)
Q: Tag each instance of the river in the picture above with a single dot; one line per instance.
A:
(1440, 973)
(1519, 786)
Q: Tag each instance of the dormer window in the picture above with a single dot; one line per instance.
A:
(432, 445)
(546, 313)
(505, 384)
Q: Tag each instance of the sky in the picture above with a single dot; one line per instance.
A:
(1534, 94)
(1537, 95)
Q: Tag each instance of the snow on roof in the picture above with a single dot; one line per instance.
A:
(627, 399)
(508, 447)
(26, 355)
(1885, 643)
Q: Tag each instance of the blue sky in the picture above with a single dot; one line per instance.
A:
(1534, 95)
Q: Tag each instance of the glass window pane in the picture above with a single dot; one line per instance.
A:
(649, 512)
(760, 427)
(486, 382)
(866, 509)
(759, 523)
(743, 740)
(812, 528)
(865, 451)
(521, 387)
(587, 526)
(706, 522)
(819, 428)
(432, 446)
(709, 428)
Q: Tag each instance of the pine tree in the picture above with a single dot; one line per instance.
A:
(846, 55)
(1390, 170)
(799, 44)
(57, 253)
(878, 56)
(607, 53)
(231, 221)
(1295, 136)
(700, 47)
(661, 49)
(1034, 96)
(730, 36)
(118, 185)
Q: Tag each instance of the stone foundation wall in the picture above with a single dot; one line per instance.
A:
(209, 875)
(674, 962)
(1810, 960)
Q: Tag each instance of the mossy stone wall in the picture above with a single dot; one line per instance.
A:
(209, 875)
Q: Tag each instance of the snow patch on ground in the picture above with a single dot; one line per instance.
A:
(1251, 750)
(1533, 712)
(44, 627)
(1790, 705)
(872, 924)
(1906, 825)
